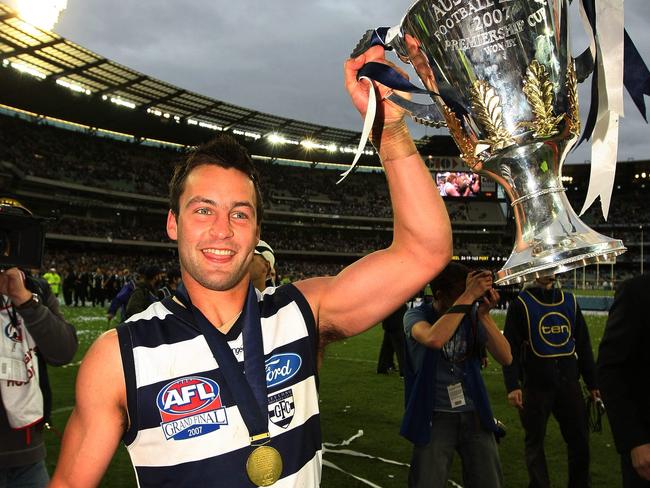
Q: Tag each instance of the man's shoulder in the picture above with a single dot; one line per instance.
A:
(641, 282)
(275, 297)
(423, 312)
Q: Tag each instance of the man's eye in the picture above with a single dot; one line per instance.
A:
(240, 215)
(203, 211)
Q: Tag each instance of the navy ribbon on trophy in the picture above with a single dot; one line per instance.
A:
(612, 58)
(616, 64)
(391, 78)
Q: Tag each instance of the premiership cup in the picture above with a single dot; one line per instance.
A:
(501, 76)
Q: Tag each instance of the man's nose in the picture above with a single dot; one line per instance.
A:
(221, 227)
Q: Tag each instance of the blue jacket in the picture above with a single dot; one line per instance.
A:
(420, 384)
(121, 299)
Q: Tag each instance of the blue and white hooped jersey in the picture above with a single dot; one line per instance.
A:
(186, 430)
(550, 325)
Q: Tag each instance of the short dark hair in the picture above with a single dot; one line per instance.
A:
(453, 276)
(151, 271)
(223, 151)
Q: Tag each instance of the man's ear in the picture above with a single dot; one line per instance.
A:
(172, 226)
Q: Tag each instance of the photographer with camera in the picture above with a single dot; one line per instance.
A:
(551, 350)
(447, 405)
(33, 334)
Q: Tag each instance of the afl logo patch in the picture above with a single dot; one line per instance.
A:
(190, 407)
(281, 368)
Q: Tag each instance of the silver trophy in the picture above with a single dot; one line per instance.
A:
(501, 77)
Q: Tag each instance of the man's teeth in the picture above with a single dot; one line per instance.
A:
(219, 252)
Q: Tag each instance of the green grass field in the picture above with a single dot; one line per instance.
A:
(354, 398)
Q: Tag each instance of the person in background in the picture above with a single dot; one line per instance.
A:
(145, 292)
(623, 370)
(392, 343)
(69, 284)
(447, 405)
(551, 350)
(173, 280)
(33, 335)
(122, 298)
(54, 280)
(262, 266)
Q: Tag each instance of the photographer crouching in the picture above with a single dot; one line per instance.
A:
(33, 334)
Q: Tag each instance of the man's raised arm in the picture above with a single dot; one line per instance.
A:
(98, 419)
(370, 289)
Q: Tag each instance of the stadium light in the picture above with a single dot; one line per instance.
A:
(308, 144)
(28, 70)
(205, 125)
(643, 175)
(275, 139)
(120, 101)
(73, 86)
(251, 135)
(41, 13)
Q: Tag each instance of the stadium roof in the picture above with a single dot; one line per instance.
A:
(44, 54)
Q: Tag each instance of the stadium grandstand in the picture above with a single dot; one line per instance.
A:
(91, 145)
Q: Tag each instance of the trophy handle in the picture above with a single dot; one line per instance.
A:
(422, 113)
(389, 39)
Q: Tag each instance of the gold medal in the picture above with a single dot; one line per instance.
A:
(264, 466)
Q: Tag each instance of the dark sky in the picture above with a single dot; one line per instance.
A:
(282, 56)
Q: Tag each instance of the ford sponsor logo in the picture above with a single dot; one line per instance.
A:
(281, 368)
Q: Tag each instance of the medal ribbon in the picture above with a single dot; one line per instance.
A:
(247, 387)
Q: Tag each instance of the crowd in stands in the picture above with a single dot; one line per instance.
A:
(84, 270)
(48, 152)
(109, 230)
(83, 158)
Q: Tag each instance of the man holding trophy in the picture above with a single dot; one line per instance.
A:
(221, 427)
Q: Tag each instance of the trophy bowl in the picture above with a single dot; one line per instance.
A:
(500, 74)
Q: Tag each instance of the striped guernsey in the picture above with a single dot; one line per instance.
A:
(185, 428)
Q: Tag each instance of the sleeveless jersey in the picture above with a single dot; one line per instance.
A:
(550, 325)
(185, 428)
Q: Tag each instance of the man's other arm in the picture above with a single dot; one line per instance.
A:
(98, 419)
(55, 337)
(368, 290)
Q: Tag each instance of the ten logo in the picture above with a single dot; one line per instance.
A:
(190, 407)
(281, 368)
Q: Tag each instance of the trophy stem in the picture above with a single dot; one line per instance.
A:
(550, 237)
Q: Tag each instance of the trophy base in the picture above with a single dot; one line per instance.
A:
(527, 266)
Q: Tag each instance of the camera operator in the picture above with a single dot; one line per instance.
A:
(33, 334)
(447, 405)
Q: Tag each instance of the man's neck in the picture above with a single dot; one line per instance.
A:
(221, 308)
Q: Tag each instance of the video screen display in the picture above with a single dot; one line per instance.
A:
(458, 184)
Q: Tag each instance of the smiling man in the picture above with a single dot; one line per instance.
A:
(219, 382)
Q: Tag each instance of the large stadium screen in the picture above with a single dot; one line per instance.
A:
(458, 184)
